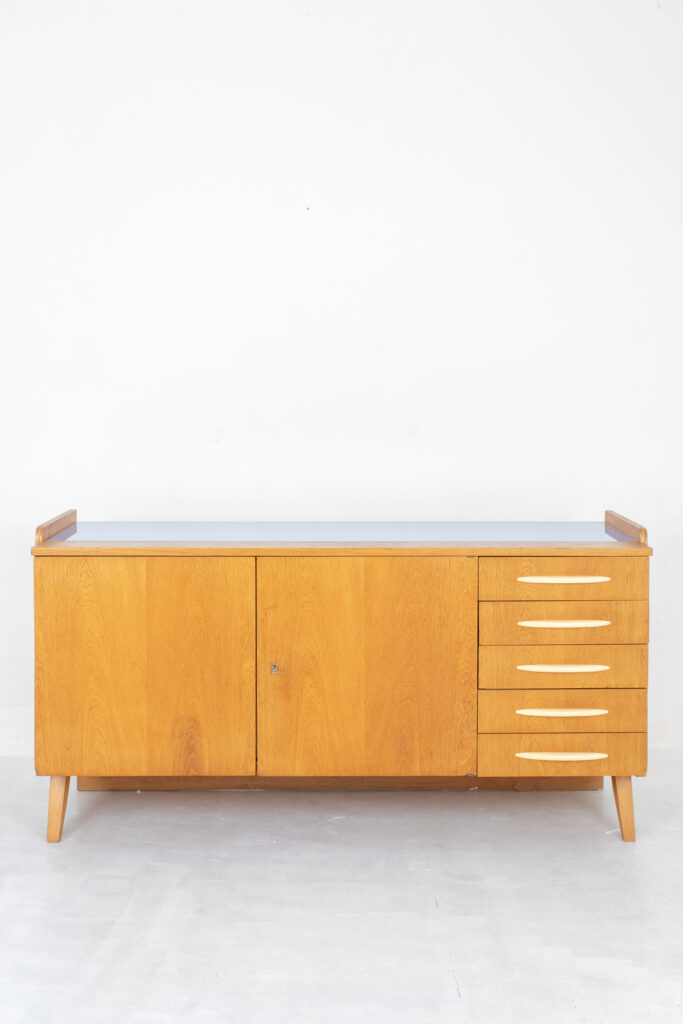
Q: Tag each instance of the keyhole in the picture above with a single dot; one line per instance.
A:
(274, 669)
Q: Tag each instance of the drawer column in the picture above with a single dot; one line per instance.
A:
(563, 670)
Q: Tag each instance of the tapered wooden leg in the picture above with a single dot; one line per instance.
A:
(59, 792)
(623, 798)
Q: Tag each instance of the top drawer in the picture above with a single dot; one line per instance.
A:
(563, 579)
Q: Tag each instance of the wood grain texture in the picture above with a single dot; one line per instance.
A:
(55, 525)
(626, 710)
(626, 666)
(377, 666)
(627, 753)
(626, 526)
(623, 798)
(205, 549)
(144, 666)
(201, 666)
(498, 622)
(499, 579)
(125, 783)
(56, 808)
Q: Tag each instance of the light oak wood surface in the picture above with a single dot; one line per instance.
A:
(199, 549)
(509, 579)
(626, 710)
(56, 808)
(513, 667)
(623, 798)
(376, 666)
(145, 666)
(621, 524)
(626, 622)
(126, 783)
(626, 753)
(55, 525)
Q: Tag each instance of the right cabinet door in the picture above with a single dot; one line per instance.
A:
(366, 665)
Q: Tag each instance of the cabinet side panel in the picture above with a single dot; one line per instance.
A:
(201, 666)
(91, 711)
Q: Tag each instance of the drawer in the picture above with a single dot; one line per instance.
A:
(563, 622)
(562, 711)
(556, 579)
(616, 753)
(563, 666)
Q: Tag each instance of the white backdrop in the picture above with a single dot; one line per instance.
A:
(341, 260)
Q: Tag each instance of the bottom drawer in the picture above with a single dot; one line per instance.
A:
(626, 754)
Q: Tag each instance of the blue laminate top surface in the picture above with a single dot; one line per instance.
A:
(303, 533)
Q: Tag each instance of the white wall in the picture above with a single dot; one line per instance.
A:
(341, 260)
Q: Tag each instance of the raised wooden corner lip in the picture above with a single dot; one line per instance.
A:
(627, 526)
(56, 525)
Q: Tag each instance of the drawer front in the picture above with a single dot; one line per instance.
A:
(626, 754)
(562, 711)
(563, 666)
(563, 622)
(563, 579)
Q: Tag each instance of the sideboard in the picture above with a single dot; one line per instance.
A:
(349, 655)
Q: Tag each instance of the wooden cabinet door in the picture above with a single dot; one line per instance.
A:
(145, 665)
(366, 665)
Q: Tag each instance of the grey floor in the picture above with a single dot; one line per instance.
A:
(409, 908)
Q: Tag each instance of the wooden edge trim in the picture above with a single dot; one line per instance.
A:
(56, 525)
(627, 526)
(197, 782)
(196, 549)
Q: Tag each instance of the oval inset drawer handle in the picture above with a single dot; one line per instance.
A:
(564, 623)
(563, 579)
(563, 668)
(561, 712)
(536, 755)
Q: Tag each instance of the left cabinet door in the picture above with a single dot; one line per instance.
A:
(145, 665)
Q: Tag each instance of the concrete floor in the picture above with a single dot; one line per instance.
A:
(409, 908)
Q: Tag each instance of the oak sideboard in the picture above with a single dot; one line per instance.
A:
(427, 655)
